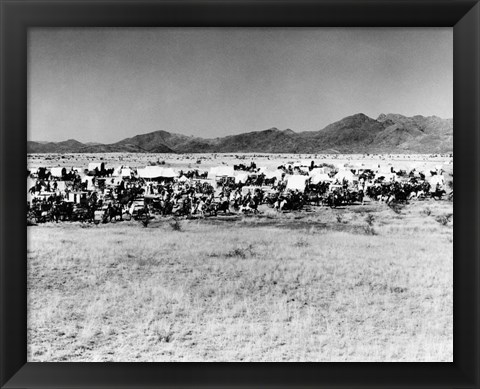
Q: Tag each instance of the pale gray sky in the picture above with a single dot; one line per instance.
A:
(106, 84)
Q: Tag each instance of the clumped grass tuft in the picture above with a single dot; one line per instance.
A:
(397, 208)
(339, 218)
(444, 219)
(241, 252)
(427, 211)
(302, 242)
(397, 289)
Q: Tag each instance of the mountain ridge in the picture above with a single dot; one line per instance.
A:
(358, 133)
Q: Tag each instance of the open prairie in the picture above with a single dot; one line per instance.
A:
(360, 283)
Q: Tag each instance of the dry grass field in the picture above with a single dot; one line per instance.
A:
(363, 283)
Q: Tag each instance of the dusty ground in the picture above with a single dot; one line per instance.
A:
(205, 161)
(328, 285)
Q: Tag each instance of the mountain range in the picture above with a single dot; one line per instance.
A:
(389, 133)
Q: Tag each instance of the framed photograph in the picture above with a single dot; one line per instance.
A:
(240, 182)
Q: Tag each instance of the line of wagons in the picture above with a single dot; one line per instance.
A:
(77, 206)
(80, 210)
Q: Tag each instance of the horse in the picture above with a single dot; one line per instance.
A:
(223, 205)
(112, 212)
(438, 193)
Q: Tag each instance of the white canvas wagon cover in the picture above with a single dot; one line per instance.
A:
(168, 172)
(241, 177)
(126, 172)
(344, 175)
(61, 186)
(317, 170)
(58, 171)
(156, 172)
(96, 165)
(150, 172)
(434, 180)
(297, 182)
(317, 178)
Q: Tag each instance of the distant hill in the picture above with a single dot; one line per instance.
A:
(352, 134)
(389, 133)
(68, 146)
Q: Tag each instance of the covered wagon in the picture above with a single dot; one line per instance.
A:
(58, 172)
(95, 168)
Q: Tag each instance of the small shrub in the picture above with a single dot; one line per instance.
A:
(427, 211)
(339, 218)
(238, 252)
(145, 222)
(165, 336)
(369, 230)
(370, 219)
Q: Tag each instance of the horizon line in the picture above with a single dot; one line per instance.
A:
(240, 133)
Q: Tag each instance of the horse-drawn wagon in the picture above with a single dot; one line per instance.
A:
(139, 210)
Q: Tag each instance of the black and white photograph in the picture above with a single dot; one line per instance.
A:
(240, 194)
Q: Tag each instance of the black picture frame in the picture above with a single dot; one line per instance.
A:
(17, 16)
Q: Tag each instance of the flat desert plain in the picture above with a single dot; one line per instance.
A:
(357, 283)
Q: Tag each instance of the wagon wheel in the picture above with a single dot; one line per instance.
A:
(143, 216)
(105, 218)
